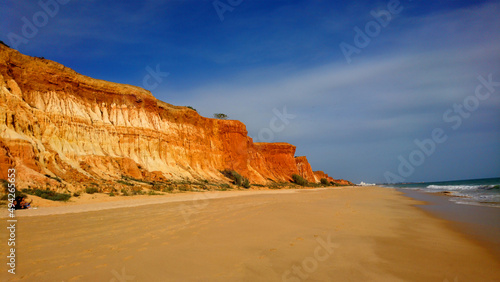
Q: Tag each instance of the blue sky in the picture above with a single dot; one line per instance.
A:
(355, 119)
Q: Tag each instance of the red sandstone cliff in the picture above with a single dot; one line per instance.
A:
(59, 128)
(320, 174)
(304, 169)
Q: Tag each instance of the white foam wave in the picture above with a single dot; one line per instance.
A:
(455, 187)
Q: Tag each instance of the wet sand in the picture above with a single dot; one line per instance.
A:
(480, 222)
(351, 234)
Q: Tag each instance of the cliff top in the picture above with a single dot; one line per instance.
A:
(42, 73)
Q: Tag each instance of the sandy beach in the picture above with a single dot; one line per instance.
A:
(348, 234)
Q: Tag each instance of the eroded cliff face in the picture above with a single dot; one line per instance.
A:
(320, 174)
(304, 169)
(61, 129)
(279, 160)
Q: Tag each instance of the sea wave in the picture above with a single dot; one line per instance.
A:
(462, 187)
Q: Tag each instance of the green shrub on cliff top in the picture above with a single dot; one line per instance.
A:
(189, 107)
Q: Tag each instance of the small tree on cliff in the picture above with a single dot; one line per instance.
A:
(220, 116)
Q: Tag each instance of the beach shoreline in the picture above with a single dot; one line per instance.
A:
(481, 223)
(355, 234)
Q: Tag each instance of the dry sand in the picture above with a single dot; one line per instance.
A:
(354, 234)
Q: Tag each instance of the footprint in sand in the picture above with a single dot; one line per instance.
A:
(100, 266)
(273, 250)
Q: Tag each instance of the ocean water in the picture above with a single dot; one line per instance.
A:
(482, 192)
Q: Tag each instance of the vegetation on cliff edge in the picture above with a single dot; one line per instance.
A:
(220, 116)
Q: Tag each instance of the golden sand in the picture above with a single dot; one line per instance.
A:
(350, 234)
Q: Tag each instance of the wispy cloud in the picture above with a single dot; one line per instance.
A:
(399, 94)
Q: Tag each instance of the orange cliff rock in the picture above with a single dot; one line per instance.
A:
(320, 174)
(304, 169)
(61, 129)
(279, 158)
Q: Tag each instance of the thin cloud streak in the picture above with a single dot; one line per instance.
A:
(399, 97)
